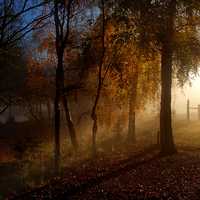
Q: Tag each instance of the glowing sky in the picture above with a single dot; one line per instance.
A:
(181, 95)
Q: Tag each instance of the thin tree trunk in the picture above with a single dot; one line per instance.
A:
(131, 123)
(132, 106)
(57, 127)
(95, 120)
(71, 128)
(100, 83)
(61, 42)
(70, 124)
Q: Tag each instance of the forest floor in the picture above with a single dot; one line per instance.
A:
(142, 176)
(135, 172)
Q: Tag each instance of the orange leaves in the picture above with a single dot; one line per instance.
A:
(47, 44)
(36, 81)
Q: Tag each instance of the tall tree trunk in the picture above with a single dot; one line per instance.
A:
(166, 138)
(95, 119)
(70, 124)
(57, 124)
(167, 146)
(100, 83)
(63, 97)
(131, 123)
(61, 42)
(132, 106)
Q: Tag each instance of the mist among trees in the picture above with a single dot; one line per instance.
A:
(86, 99)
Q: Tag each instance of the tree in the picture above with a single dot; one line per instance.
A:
(168, 19)
(166, 138)
(100, 79)
(120, 56)
(37, 91)
(167, 41)
(14, 26)
(138, 74)
(64, 11)
(12, 77)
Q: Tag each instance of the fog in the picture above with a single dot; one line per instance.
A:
(181, 95)
(90, 103)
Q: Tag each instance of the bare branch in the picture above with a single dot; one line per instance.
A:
(13, 38)
(4, 109)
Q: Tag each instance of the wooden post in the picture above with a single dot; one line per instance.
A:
(198, 112)
(188, 110)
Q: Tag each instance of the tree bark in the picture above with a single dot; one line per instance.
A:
(64, 99)
(57, 126)
(94, 118)
(132, 106)
(71, 128)
(100, 83)
(70, 124)
(61, 42)
(167, 146)
(166, 138)
(131, 124)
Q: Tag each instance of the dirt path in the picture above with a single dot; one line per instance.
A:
(86, 179)
(176, 178)
(145, 175)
